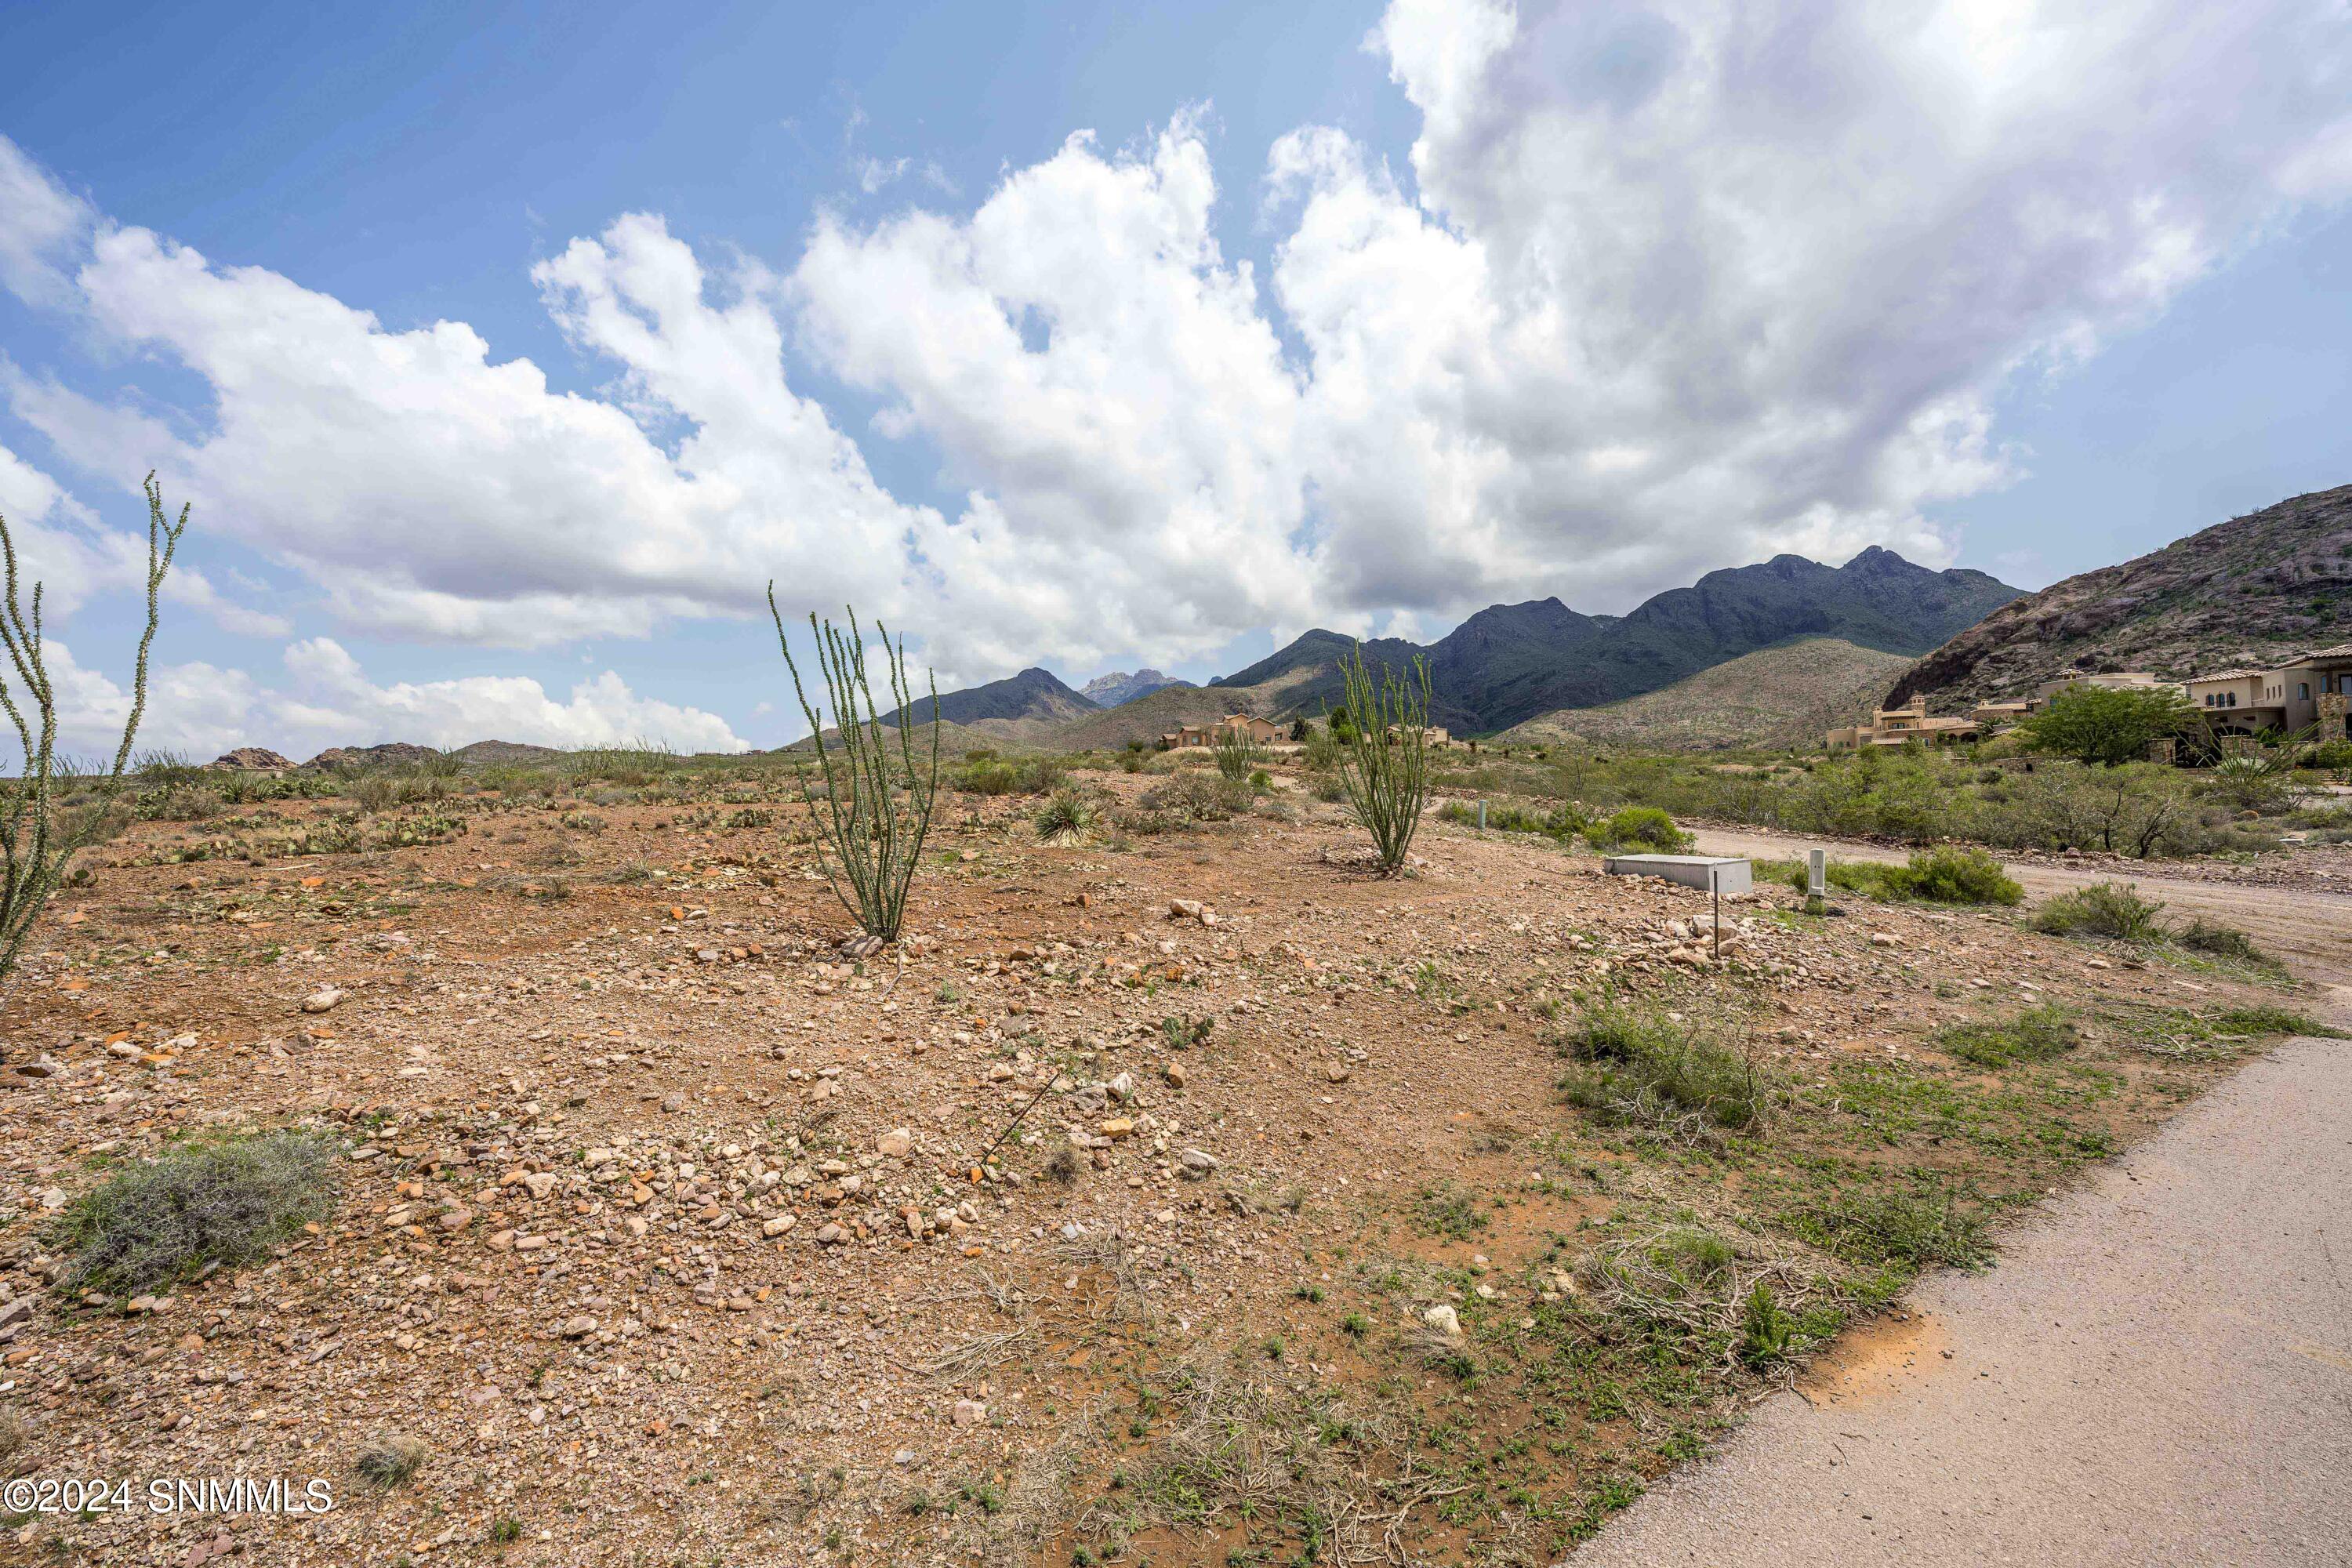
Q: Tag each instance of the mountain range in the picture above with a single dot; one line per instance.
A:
(1512, 663)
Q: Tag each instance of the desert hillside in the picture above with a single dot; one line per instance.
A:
(2245, 592)
(1774, 698)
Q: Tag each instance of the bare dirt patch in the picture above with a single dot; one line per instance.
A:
(662, 1229)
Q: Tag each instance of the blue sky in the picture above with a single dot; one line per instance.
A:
(1356, 385)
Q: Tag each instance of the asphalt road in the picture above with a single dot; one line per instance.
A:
(2158, 1370)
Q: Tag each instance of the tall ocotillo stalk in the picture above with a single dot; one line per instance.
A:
(1384, 760)
(876, 844)
(38, 839)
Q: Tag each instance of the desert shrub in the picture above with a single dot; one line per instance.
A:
(1638, 1066)
(2334, 756)
(376, 789)
(150, 1225)
(1912, 1229)
(1944, 875)
(2200, 935)
(180, 803)
(163, 769)
(1639, 828)
(1947, 875)
(2103, 908)
(1066, 818)
(2036, 1035)
(2247, 783)
(1197, 798)
(985, 775)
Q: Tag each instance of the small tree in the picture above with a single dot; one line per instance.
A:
(38, 838)
(2107, 725)
(1299, 729)
(1384, 753)
(876, 840)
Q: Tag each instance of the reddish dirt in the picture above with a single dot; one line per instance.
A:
(573, 1119)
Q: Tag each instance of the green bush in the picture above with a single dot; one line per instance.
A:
(2035, 1035)
(995, 775)
(1639, 828)
(2104, 908)
(1945, 875)
(227, 1202)
(1637, 1066)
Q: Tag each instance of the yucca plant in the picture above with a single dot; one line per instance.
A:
(1384, 753)
(876, 803)
(39, 836)
(1066, 818)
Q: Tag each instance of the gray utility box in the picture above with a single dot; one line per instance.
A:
(1723, 873)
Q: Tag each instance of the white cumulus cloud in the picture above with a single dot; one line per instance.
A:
(1662, 287)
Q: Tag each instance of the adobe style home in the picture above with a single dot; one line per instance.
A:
(2310, 692)
(1900, 726)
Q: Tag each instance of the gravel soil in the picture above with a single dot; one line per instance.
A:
(661, 1225)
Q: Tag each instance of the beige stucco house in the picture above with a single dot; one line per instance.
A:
(1900, 726)
(2308, 692)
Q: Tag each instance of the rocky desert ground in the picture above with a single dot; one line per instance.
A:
(1183, 1193)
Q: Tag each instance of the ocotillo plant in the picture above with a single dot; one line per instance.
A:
(875, 839)
(1236, 753)
(38, 838)
(1384, 754)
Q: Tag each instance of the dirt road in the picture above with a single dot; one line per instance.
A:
(2158, 1371)
(2310, 930)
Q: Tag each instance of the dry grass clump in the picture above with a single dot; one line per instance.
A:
(391, 1460)
(222, 1203)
